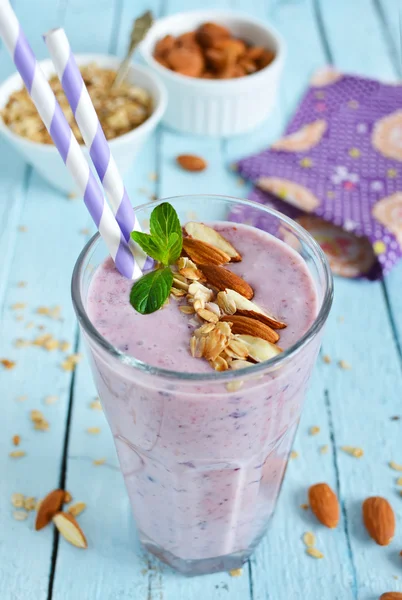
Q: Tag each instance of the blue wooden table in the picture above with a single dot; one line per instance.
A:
(41, 234)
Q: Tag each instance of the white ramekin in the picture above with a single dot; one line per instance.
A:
(217, 107)
(45, 157)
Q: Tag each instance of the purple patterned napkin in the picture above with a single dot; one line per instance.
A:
(341, 161)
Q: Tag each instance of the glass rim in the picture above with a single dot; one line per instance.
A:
(215, 376)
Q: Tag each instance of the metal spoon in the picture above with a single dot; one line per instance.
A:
(140, 28)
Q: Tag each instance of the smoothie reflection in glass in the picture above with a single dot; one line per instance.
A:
(203, 452)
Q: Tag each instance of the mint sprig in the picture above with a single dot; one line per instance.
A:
(164, 243)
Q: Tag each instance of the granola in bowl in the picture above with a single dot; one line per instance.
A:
(119, 110)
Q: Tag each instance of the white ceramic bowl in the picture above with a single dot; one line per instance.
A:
(217, 107)
(45, 157)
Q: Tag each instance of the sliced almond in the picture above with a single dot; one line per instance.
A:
(240, 364)
(236, 349)
(207, 315)
(202, 232)
(48, 507)
(76, 509)
(70, 530)
(202, 253)
(254, 311)
(179, 283)
(221, 279)
(259, 349)
(247, 326)
(226, 303)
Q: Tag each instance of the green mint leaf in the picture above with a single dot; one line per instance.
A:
(173, 249)
(149, 245)
(150, 292)
(163, 222)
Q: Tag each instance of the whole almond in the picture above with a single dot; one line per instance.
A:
(210, 34)
(221, 278)
(202, 232)
(190, 162)
(202, 253)
(70, 530)
(391, 596)
(379, 519)
(244, 325)
(324, 504)
(48, 507)
(186, 61)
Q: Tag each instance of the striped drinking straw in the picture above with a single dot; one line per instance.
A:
(68, 147)
(93, 136)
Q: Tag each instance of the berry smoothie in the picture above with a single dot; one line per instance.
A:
(203, 456)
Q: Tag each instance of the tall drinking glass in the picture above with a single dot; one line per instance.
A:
(203, 455)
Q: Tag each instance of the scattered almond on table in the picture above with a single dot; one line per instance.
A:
(379, 519)
(324, 504)
(190, 162)
(69, 529)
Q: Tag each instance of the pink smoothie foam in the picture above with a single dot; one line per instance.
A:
(203, 465)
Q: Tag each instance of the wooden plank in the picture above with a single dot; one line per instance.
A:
(364, 399)
(25, 556)
(280, 568)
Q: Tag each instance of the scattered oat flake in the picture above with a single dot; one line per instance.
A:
(77, 508)
(395, 466)
(7, 364)
(21, 343)
(53, 312)
(95, 405)
(18, 306)
(314, 430)
(304, 506)
(21, 398)
(64, 346)
(152, 176)
(17, 454)
(19, 318)
(17, 500)
(240, 182)
(399, 481)
(327, 359)
(236, 572)
(16, 440)
(39, 421)
(72, 196)
(22, 284)
(353, 451)
(99, 461)
(29, 325)
(20, 515)
(341, 319)
(294, 454)
(22, 228)
(85, 231)
(50, 399)
(30, 503)
(309, 539)
(324, 449)
(314, 553)
(93, 430)
(344, 365)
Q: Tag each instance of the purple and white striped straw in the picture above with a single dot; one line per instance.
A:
(68, 147)
(94, 137)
